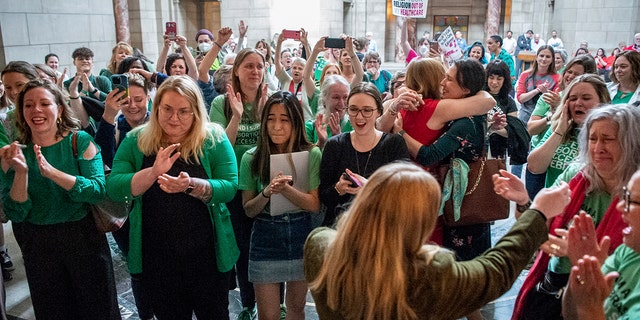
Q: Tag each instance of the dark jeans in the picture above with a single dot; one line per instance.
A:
(242, 226)
(534, 182)
(69, 270)
(145, 311)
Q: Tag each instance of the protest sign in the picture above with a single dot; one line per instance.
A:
(449, 46)
(410, 8)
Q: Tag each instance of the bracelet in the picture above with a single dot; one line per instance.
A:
(74, 98)
(558, 133)
(264, 195)
(522, 208)
(94, 91)
(401, 132)
(338, 191)
(219, 46)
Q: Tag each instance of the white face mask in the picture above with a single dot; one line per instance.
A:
(205, 47)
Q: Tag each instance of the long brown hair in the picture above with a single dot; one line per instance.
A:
(379, 245)
(265, 147)
(235, 82)
(424, 76)
(66, 123)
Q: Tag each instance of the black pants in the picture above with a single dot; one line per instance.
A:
(143, 304)
(69, 270)
(242, 226)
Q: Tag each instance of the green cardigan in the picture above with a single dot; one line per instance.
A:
(444, 288)
(219, 163)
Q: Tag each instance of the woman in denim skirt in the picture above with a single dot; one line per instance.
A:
(275, 254)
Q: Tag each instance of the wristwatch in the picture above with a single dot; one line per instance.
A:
(94, 91)
(523, 207)
(401, 133)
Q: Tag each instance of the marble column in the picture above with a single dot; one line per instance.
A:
(492, 24)
(121, 13)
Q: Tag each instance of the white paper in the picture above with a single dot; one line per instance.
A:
(283, 163)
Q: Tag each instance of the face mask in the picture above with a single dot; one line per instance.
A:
(205, 47)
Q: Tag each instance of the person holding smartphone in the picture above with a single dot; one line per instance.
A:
(356, 153)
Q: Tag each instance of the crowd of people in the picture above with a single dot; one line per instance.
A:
(281, 171)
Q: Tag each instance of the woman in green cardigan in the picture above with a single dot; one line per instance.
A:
(179, 169)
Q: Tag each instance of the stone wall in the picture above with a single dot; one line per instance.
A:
(29, 30)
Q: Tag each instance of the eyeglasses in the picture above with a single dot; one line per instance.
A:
(627, 199)
(183, 114)
(398, 84)
(367, 113)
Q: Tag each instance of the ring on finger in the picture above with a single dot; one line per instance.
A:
(579, 280)
(554, 247)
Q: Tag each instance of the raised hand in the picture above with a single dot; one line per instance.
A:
(165, 159)
(582, 240)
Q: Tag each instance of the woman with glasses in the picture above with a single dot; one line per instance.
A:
(277, 237)
(374, 74)
(603, 286)
(596, 180)
(358, 153)
(179, 169)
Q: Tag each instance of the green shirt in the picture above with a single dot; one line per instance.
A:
(250, 182)
(248, 129)
(566, 153)
(47, 202)
(624, 301)
(312, 134)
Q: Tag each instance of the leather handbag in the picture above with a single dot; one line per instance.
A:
(108, 215)
(480, 203)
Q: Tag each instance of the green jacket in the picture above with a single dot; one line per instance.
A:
(218, 161)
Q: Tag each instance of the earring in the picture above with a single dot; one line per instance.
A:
(59, 121)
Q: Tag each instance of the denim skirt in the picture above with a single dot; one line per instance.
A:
(275, 254)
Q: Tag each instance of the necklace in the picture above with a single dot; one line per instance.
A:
(363, 173)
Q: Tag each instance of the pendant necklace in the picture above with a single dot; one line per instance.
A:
(363, 173)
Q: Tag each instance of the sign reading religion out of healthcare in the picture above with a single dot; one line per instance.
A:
(449, 46)
(410, 8)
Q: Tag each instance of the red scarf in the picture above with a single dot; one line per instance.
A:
(611, 225)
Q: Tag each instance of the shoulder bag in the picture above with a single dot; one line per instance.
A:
(480, 204)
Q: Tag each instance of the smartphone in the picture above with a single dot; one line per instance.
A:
(120, 82)
(291, 34)
(337, 43)
(354, 182)
(171, 30)
(434, 45)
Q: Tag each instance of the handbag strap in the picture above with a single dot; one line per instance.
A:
(74, 144)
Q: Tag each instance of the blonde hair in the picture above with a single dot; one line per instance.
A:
(424, 76)
(203, 134)
(113, 64)
(378, 245)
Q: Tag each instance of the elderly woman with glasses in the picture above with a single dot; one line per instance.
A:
(351, 157)
(179, 169)
(596, 181)
(601, 286)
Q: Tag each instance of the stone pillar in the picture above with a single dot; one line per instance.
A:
(121, 13)
(492, 24)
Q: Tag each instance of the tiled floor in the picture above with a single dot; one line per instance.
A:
(19, 302)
